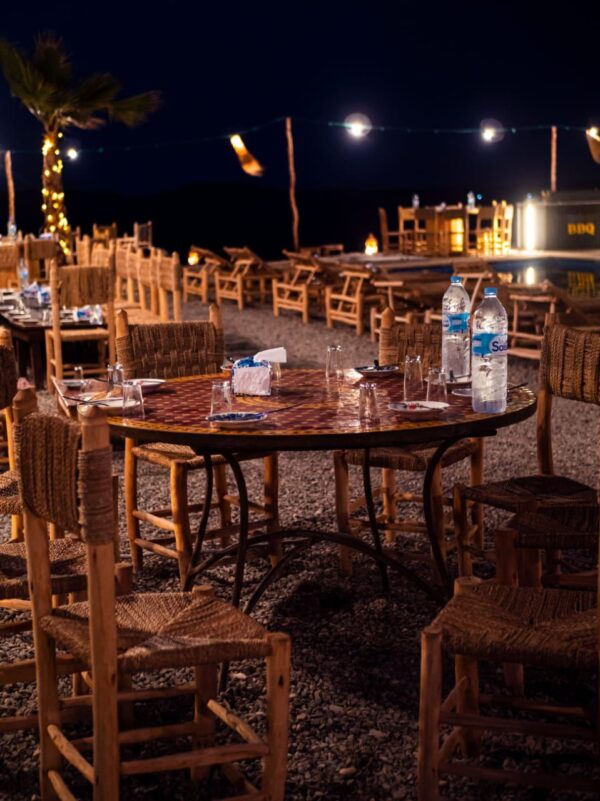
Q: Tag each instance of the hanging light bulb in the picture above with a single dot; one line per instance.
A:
(72, 153)
(247, 161)
(358, 125)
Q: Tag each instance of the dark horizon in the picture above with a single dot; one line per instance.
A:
(222, 69)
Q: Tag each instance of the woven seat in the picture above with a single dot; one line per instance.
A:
(160, 630)
(413, 458)
(83, 335)
(548, 628)
(9, 493)
(526, 492)
(564, 527)
(68, 565)
(163, 453)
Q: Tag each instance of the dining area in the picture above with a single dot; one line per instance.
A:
(324, 506)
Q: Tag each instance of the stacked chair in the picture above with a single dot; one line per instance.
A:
(395, 344)
(199, 275)
(172, 350)
(248, 280)
(112, 638)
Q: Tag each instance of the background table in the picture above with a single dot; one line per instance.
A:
(305, 412)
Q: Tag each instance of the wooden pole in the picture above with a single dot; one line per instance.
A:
(553, 154)
(10, 184)
(292, 168)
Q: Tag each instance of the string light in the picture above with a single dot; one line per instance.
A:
(358, 125)
(52, 194)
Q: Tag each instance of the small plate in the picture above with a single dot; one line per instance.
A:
(113, 403)
(371, 370)
(236, 419)
(149, 385)
(420, 408)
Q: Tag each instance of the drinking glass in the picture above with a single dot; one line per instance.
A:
(367, 403)
(220, 397)
(276, 371)
(84, 384)
(436, 385)
(133, 400)
(413, 378)
(334, 364)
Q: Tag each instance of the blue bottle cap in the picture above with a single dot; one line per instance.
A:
(456, 279)
(490, 292)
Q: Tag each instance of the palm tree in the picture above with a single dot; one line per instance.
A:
(44, 82)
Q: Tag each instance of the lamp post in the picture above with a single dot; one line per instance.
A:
(292, 169)
(10, 185)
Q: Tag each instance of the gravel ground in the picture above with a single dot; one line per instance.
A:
(355, 678)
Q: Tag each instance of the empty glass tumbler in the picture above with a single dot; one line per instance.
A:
(334, 364)
(368, 411)
(436, 385)
(133, 400)
(220, 397)
(413, 378)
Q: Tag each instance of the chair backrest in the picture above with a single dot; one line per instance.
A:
(8, 376)
(142, 234)
(79, 286)
(569, 368)
(396, 342)
(168, 275)
(83, 250)
(37, 254)
(102, 256)
(66, 479)
(105, 232)
(9, 264)
(170, 350)
(246, 259)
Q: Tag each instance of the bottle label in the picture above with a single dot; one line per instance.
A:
(455, 323)
(488, 344)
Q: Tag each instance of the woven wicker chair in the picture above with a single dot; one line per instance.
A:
(395, 344)
(37, 254)
(569, 369)
(168, 283)
(134, 633)
(171, 351)
(548, 629)
(198, 276)
(249, 280)
(79, 286)
(9, 264)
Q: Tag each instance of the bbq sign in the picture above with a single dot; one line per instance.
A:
(581, 229)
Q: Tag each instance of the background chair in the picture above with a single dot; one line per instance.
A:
(346, 303)
(198, 275)
(170, 351)
(568, 369)
(294, 292)
(75, 286)
(395, 344)
(248, 281)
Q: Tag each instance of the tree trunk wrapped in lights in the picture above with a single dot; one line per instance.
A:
(53, 196)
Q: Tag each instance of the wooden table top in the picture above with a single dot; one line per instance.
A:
(305, 413)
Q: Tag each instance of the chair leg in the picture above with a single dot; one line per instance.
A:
(437, 508)
(468, 701)
(476, 479)
(16, 528)
(388, 484)
(428, 752)
(342, 507)
(278, 692)
(461, 525)
(271, 503)
(181, 520)
(133, 524)
(220, 476)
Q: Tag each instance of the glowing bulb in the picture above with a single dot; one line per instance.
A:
(530, 277)
(358, 125)
(529, 225)
(593, 133)
(72, 153)
(193, 258)
(488, 134)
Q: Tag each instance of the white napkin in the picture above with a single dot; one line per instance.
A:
(272, 355)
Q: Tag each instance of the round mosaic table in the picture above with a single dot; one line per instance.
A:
(306, 413)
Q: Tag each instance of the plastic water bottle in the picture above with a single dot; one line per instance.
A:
(471, 200)
(23, 273)
(456, 313)
(415, 201)
(490, 355)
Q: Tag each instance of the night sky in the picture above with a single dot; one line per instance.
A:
(225, 66)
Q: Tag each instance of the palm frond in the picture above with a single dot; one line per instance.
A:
(51, 61)
(134, 110)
